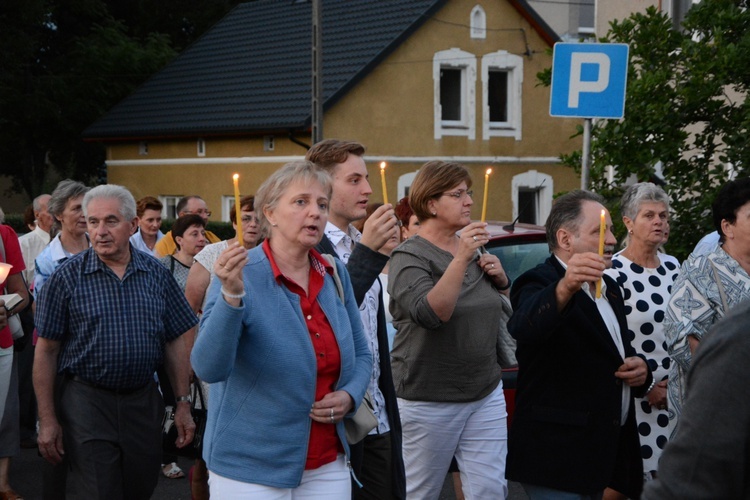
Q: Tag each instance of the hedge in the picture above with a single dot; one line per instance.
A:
(223, 230)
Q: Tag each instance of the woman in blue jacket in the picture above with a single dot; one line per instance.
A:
(286, 357)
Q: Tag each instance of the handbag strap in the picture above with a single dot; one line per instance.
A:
(336, 278)
(197, 394)
(2, 256)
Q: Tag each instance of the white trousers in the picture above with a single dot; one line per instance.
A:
(6, 365)
(476, 433)
(330, 481)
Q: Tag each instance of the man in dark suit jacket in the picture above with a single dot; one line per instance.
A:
(574, 427)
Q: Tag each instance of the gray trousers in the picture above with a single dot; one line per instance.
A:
(112, 441)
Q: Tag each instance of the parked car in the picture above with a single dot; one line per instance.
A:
(519, 248)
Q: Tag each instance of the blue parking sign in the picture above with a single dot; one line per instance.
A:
(589, 80)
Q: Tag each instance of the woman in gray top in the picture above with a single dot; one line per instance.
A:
(448, 301)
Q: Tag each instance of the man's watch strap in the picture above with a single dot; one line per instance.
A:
(184, 399)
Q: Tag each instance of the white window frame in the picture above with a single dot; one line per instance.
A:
(404, 183)
(226, 206)
(168, 200)
(201, 147)
(513, 64)
(456, 59)
(543, 184)
(478, 23)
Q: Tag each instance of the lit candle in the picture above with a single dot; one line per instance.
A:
(4, 271)
(602, 230)
(237, 209)
(382, 179)
(486, 191)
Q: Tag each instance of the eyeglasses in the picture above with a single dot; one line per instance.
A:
(207, 213)
(250, 218)
(461, 193)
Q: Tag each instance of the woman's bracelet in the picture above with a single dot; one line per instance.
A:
(232, 295)
(507, 285)
(653, 383)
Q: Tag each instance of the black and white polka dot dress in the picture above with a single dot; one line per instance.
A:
(646, 292)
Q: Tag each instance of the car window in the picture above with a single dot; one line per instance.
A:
(519, 257)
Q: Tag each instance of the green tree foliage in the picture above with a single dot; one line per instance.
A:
(685, 113)
(65, 63)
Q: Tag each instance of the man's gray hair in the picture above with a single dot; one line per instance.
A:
(566, 214)
(270, 191)
(112, 191)
(637, 194)
(36, 204)
(66, 190)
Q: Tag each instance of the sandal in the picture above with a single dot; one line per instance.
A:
(173, 472)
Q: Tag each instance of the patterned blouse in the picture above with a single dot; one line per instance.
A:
(698, 301)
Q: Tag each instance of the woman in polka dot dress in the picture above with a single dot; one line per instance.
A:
(646, 277)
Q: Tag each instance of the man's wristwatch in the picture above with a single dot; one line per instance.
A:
(184, 399)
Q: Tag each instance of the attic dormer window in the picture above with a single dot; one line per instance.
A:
(478, 22)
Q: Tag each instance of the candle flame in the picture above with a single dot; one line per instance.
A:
(382, 165)
(489, 171)
(236, 176)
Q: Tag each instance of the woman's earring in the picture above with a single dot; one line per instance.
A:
(434, 214)
(630, 232)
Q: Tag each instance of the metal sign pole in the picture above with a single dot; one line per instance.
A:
(586, 154)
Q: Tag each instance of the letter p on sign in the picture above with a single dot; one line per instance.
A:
(588, 80)
(577, 84)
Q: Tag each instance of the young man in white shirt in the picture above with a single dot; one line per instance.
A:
(377, 460)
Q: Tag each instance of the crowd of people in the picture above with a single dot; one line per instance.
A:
(629, 377)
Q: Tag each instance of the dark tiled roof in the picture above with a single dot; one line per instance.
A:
(251, 71)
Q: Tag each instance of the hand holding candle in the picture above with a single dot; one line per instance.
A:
(382, 179)
(486, 191)
(602, 230)
(237, 208)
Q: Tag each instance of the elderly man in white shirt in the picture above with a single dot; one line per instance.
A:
(34, 242)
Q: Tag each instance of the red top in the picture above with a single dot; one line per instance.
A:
(13, 257)
(324, 444)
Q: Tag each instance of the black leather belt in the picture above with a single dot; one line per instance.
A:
(76, 378)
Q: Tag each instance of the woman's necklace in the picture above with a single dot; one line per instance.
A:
(647, 263)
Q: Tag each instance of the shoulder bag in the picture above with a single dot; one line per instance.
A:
(169, 430)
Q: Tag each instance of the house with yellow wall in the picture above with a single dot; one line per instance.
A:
(413, 80)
